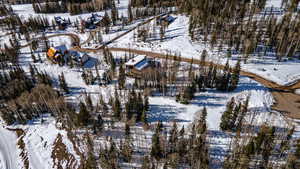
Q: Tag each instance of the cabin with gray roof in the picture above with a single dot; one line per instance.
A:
(140, 64)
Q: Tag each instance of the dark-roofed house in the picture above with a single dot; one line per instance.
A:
(93, 21)
(78, 57)
(167, 19)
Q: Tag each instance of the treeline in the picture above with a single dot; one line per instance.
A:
(32, 24)
(19, 91)
(5, 10)
(27, 97)
(15, 2)
(233, 24)
(173, 148)
(257, 146)
(264, 147)
(154, 3)
(74, 7)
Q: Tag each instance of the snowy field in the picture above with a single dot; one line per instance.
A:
(274, 3)
(168, 110)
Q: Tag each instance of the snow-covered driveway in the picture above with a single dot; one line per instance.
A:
(8, 149)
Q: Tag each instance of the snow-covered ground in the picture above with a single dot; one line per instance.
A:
(168, 110)
(274, 3)
(9, 157)
(26, 10)
(39, 141)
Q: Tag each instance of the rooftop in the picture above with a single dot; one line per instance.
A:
(135, 61)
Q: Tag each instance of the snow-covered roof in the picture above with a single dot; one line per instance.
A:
(141, 65)
(61, 48)
(136, 60)
(273, 9)
(95, 18)
(170, 18)
(59, 19)
(76, 54)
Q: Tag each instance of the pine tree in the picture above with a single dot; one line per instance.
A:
(117, 109)
(63, 84)
(127, 150)
(146, 103)
(130, 15)
(114, 13)
(182, 144)
(32, 73)
(122, 77)
(139, 107)
(99, 123)
(156, 149)
(89, 102)
(33, 57)
(144, 118)
(244, 110)
(199, 152)
(235, 76)
(235, 115)
(229, 53)
(227, 116)
(103, 105)
(203, 57)
(173, 138)
(84, 116)
(224, 81)
(127, 130)
(146, 163)
(202, 127)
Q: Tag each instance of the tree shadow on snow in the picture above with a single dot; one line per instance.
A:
(165, 113)
(91, 62)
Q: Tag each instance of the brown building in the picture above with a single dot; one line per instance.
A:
(139, 65)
